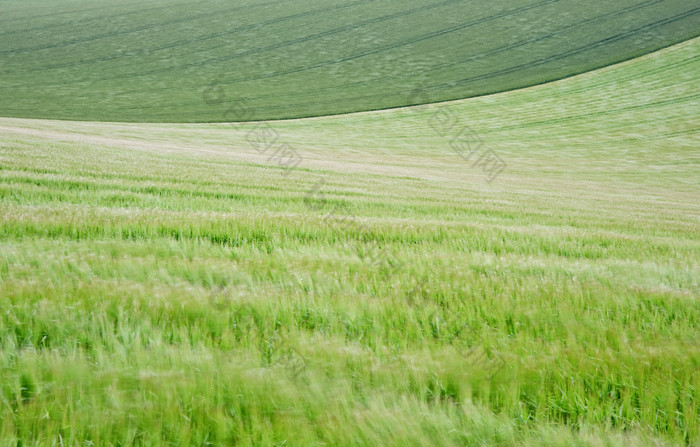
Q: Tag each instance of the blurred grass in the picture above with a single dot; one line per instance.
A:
(163, 284)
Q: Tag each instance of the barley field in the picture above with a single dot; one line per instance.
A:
(515, 269)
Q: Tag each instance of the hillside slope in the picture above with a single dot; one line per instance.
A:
(186, 284)
(162, 61)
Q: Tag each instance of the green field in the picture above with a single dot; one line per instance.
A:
(168, 284)
(151, 61)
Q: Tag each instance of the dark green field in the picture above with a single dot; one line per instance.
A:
(151, 61)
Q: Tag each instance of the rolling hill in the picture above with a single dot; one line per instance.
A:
(162, 61)
(365, 279)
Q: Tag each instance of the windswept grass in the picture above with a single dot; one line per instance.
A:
(164, 285)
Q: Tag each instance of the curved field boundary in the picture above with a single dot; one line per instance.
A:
(452, 64)
(305, 58)
(495, 74)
